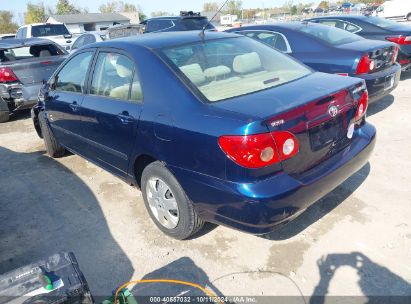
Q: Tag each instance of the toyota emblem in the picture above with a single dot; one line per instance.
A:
(333, 111)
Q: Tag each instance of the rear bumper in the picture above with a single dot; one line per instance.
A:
(377, 82)
(19, 96)
(262, 206)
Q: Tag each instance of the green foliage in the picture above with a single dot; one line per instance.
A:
(7, 26)
(65, 7)
(234, 7)
(211, 7)
(160, 13)
(35, 13)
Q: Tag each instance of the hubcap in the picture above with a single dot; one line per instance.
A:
(162, 203)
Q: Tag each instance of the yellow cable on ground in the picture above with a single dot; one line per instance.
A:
(203, 289)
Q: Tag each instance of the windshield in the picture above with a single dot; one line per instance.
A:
(330, 35)
(381, 22)
(49, 30)
(226, 68)
(190, 24)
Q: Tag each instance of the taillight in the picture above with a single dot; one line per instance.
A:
(259, 150)
(362, 106)
(7, 75)
(365, 65)
(395, 54)
(400, 39)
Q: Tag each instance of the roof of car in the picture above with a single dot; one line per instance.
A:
(164, 39)
(15, 43)
(175, 17)
(357, 17)
(286, 25)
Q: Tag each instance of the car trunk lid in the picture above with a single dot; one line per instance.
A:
(318, 109)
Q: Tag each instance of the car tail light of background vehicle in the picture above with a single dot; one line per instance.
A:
(402, 40)
(362, 106)
(365, 65)
(7, 75)
(259, 150)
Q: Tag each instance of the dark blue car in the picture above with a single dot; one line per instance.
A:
(331, 50)
(372, 27)
(215, 127)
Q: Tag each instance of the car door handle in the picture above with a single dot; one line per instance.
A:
(74, 106)
(125, 117)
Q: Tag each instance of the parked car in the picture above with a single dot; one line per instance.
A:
(126, 30)
(335, 51)
(187, 21)
(7, 36)
(215, 127)
(87, 38)
(24, 63)
(55, 32)
(375, 28)
(394, 9)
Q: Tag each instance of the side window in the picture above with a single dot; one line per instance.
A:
(341, 25)
(352, 28)
(72, 76)
(89, 39)
(19, 34)
(24, 33)
(274, 40)
(78, 43)
(113, 76)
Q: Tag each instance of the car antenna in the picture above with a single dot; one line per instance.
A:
(202, 33)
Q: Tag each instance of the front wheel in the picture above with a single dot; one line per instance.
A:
(167, 203)
(53, 148)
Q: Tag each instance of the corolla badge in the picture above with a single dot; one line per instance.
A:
(333, 110)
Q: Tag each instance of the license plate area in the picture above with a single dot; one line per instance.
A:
(326, 133)
(389, 82)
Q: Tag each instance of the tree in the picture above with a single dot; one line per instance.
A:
(234, 7)
(323, 5)
(210, 7)
(160, 13)
(65, 7)
(35, 13)
(294, 10)
(7, 26)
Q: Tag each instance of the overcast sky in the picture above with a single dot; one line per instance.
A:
(148, 6)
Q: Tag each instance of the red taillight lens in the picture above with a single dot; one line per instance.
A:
(259, 150)
(7, 75)
(365, 65)
(362, 106)
(395, 54)
(400, 39)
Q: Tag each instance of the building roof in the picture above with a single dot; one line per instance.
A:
(90, 18)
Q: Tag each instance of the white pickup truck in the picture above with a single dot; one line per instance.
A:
(56, 32)
(395, 9)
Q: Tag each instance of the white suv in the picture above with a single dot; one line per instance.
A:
(57, 32)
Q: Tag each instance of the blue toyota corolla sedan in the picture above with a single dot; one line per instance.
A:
(332, 50)
(215, 127)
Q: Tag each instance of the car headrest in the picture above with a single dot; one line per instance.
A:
(123, 67)
(217, 71)
(247, 63)
(44, 53)
(194, 72)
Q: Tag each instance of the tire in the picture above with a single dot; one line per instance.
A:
(53, 148)
(4, 116)
(188, 221)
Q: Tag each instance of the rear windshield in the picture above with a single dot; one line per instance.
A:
(19, 53)
(381, 22)
(49, 30)
(226, 68)
(330, 35)
(190, 24)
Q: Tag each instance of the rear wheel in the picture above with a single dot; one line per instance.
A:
(53, 148)
(167, 203)
(4, 116)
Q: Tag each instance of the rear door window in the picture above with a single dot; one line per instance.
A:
(115, 76)
(72, 76)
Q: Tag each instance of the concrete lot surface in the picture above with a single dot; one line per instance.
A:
(355, 241)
